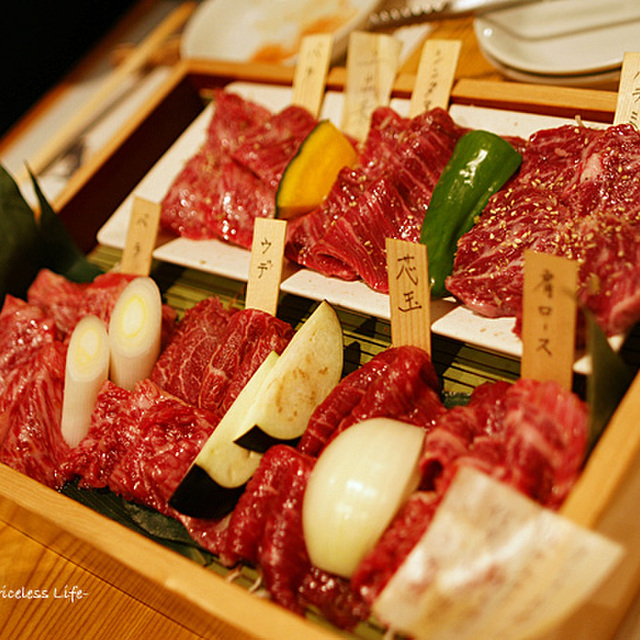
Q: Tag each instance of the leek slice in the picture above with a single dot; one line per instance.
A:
(358, 484)
(135, 330)
(87, 367)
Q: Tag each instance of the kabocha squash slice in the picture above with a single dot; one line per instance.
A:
(311, 173)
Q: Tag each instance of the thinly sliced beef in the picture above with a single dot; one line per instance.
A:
(182, 363)
(67, 302)
(575, 196)
(24, 330)
(386, 195)
(249, 338)
(215, 351)
(267, 150)
(232, 179)
(140, 444)
(30, 413)
(399, 383)
(409, 525)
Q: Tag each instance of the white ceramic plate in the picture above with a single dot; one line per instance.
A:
(605, 80)
(561, 37)
(269, 30)
(449, 318)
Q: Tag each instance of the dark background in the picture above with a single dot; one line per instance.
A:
(41, 42)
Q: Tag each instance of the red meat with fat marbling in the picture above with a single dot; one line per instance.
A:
(24, 329)
(30, 412)
(266, 150)
(398, 383)
(233, 177)
(181, 365)
(386, 195)
(266, 529)
(215, 351)
(577, 195)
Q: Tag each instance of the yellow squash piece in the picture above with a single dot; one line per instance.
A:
(311, 173)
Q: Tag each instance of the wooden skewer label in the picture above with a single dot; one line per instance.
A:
(265, 267)
(310, 76)
(141, 237)
(409, 294)
(436, 73)
(372, 62)
(549, 318)
(628, 105)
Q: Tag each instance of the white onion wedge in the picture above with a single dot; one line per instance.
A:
(87, 367)
(358, 484)
(135, 330)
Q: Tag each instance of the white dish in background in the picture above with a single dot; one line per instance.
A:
(269, 30)
(561, 37)
(606, 80)
(450, 319)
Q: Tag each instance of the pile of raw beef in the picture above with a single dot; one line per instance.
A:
(142, 442)
(577, 194)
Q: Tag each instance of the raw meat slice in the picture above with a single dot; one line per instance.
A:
(24, 330)
(385, 196)
(266, 529)
(266, 150)
(575, 196)
(233, 118)
(232, 179)
(67, 302)
(215, 351)
(215, 197)
(531, 435)
(181, 364)
(398, 383)
(250, 336)
(140, 444)
(377, 567)
(30, 413)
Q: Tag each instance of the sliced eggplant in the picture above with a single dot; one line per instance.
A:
(307, 370)
(217, 477)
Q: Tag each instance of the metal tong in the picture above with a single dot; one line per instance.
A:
(437, 10)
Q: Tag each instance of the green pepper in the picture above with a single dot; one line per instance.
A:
(480, 164)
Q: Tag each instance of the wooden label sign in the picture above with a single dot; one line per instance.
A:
(549, 318)
(265, 267)
(436, 72)
(409, 294)
(310, 76)
(628, 105)
(372, 62)
(141, 237)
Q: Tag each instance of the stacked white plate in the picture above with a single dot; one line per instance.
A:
(563, 42)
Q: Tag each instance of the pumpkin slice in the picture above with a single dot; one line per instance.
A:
(311, 173)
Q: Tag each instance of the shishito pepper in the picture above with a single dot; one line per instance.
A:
(481, 163)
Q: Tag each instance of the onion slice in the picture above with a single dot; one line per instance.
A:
(135, 330)
(87, 367)
(358, 484)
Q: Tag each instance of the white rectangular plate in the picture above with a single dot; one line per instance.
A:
(450, 319)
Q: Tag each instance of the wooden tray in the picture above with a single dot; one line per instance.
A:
(156, 589)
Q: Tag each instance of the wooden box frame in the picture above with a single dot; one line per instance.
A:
(201, 602)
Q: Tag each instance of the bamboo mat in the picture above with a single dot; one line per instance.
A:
(460, 367)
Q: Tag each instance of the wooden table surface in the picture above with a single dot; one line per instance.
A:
(78, 599)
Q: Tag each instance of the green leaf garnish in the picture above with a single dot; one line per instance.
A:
(29, 244)
(609, 379)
